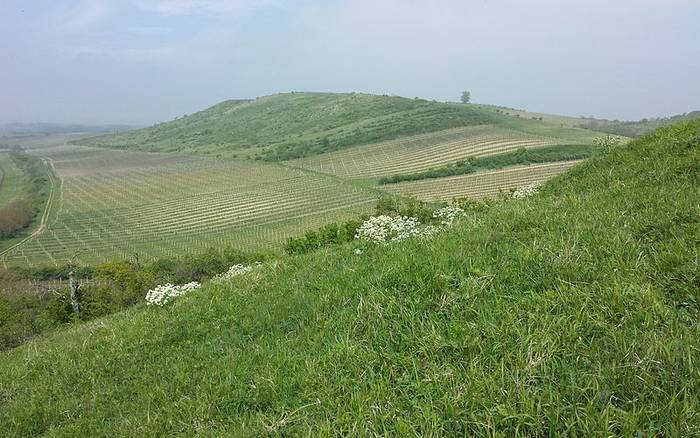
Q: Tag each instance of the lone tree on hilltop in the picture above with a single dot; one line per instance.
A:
(466, 97)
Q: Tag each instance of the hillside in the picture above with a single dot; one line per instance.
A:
(572, 312)
(295, 125)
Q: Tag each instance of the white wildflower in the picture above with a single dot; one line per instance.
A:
(526, 191)
(448, 214)
(429, 230)
(162, 294)
(384, 229)
(358, 251)
(233, 271)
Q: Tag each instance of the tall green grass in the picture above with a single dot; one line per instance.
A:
(571, 313)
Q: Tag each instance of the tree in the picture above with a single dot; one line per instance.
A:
(74, 291)
(466, 97)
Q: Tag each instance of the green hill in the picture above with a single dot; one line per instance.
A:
(295, 125)
(574, 312)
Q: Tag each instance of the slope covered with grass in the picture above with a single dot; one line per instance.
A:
(573, 312)
(294, 125)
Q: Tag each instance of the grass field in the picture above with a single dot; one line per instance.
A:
(115, 204)
(572, 313)
(479, 185)
(12, 180)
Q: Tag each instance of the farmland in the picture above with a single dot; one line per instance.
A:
(480, 185)
(252, 173)
(117, 204)
(422, 152)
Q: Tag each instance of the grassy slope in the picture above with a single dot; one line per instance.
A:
(574, 311)
(294, 125)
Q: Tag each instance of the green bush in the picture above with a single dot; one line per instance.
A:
(105, 288)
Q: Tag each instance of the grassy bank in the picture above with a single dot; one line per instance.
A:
(573, 312)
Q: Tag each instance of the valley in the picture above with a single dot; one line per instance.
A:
(116, 198)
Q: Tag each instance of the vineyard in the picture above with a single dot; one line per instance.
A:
(113, 204)
(479, 185)
(117, 204)
(250, 174)
(421, 152)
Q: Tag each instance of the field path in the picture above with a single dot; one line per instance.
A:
(47, 206)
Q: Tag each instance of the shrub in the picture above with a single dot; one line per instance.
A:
(14, 217)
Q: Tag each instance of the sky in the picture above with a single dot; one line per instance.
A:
(146, 61)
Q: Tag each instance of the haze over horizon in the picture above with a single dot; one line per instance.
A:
(140, 62)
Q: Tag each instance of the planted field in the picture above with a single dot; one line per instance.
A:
(421, 152)
(115, 204)
(479, 185)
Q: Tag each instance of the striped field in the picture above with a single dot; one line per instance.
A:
(111, 204)
(115, 204)
(479, 185)
(422, 152)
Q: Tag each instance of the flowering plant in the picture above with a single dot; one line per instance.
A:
(448, 214)
(161, 295)
(526, 191)
(384, 229)
(233, 271)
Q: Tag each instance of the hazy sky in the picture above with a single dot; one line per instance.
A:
(141, 61)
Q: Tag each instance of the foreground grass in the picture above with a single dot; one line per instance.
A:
(575, 312)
